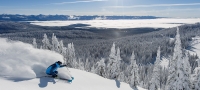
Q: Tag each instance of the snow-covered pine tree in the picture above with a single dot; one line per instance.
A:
(133, 75)
(111, 58)
(118, 61)
(187, 72)
(73, 55)
(155, 80)
(63, 49)
(34, 43)
(46, 44)
(164, 74)
(187, 64)
(87, 65)
(118, 55)
(178, 78)
(122, 77)
(112, 55)
(100, 69)
(196, 77)
(142, 74)
(113, 67)
(173, 62)
(70, 56)
(55, 44)
(80, 64)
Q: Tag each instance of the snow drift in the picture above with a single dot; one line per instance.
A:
(22, 61)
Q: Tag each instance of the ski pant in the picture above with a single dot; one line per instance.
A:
(54, 73)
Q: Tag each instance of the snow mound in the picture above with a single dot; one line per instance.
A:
(21, 61)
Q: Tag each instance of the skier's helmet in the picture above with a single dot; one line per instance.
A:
(59, 62)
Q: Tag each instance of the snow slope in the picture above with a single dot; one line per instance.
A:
(23, 66)
(134, 23)
(83, 81)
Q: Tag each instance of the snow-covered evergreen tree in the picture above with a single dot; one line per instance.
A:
(55, 44)
(46, 44)
(122, 77)
(118, 61)
(155, 80)
(111, 58)
(100, 69)
(118, 57)
(112, 55)
(34, 43)
(80, 64)
(133, 74)
(187, 66)
(113, 67)
(70, 56)
(87, 65)
(63, 49)
(196, 77)
(178, 78)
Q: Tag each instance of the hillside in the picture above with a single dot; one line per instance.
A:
(83, 81)
(23, 66)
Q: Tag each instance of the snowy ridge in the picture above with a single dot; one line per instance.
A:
(22, 67)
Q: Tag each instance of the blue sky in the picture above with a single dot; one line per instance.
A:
(166, 8)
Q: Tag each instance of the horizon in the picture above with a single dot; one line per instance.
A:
(170, 8)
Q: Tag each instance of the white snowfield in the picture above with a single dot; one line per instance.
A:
(134, 23)
(22, 68)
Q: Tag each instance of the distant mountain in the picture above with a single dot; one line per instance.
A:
(17, 17)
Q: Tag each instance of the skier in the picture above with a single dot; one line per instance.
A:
(52, 69)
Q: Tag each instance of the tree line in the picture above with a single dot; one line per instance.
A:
(179, 74)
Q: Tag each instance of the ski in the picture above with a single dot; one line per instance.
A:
(70, 81)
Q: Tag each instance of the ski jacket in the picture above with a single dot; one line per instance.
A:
(53, 68)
